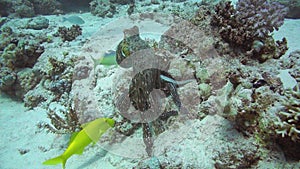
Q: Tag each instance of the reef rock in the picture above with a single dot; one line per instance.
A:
(38, 23)
(102, 8)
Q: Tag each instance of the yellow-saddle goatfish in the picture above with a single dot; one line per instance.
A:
(91, 132)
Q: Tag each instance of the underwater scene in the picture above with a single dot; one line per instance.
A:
(150, 84)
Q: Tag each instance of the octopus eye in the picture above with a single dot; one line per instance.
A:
(125, 50)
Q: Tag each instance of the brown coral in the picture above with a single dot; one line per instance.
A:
(64, 122)
(69, 34)
(247, 27)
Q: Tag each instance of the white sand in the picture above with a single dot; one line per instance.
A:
(19, 132)
(291, 30)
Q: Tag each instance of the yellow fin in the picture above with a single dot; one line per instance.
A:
(111, 122)
(56, 160)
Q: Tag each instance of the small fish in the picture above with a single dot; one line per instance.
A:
(74, 20)
(108, 59)
(176, 83)
(91, 132)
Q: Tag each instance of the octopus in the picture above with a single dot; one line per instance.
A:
(150, 84)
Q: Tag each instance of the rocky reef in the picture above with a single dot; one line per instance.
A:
(110, 8)
(32, 8)
(29, 8)
(54, 85)
(37, 23)
(257, 102)
(218, 86)
(228, 64)
(30, 74)
(102, 8)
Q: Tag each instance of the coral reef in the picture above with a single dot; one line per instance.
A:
(291, 62)
(27, 79)
(63, 120)
(293, 8)
(249, 99)
(27, 54)
(38, 96)
(23, 8)
(23, 77)
(289, 123)
(232, 150)
(257, 102)
(246, 156)
(56, 81)
(5, 5)
(19, 50)
(122, 2)
(54, 85)
(8, 79)
(102, 8)
(29, 8)
(69, 34)
(46, 7)
(248, 27)
(19, 53)
(110, 8)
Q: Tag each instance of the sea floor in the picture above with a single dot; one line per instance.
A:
(24, 145)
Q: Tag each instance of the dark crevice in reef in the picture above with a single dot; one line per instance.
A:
(75, 5)
(291, 149)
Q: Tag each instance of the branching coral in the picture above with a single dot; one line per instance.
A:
(289, 122)
(261, 16)
(248, 26)
(66, 123)
(69, 34)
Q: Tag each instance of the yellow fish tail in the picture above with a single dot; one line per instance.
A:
(56, 160)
